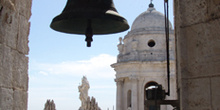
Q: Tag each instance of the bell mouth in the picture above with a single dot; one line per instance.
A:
(106, 23)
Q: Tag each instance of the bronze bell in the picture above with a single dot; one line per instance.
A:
(89, 17)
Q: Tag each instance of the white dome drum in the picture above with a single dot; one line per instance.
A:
(146, 40)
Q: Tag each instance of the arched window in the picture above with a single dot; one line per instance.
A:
(129, 98)
(150, 85)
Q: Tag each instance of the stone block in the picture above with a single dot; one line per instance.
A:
(20, 100)
(20, 71)
(215, 81)
(199, 70)
(195, 94)
(6, 99)
(23, 7)
(213, 27)
(6, 64)
(216, 66)
(214, 9)
(198, 44)
(9, 25)
(11, 31)
(214, 39)
(197, 51)
(193, 12)
(22, 43)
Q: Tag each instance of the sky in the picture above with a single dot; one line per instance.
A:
(58, 61)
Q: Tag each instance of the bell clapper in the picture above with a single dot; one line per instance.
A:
(89, 33)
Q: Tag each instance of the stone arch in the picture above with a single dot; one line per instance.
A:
(147, 85)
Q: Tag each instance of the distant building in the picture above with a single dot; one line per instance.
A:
(141, 61)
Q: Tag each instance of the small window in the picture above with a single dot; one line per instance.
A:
(151, 43)
(129, 99)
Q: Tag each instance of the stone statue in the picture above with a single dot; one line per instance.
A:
(86, 102)
(83, 89)
(120, 46)
(120, 40)
(49, 105)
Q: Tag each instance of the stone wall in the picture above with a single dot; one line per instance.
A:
(14, 31)
(197, 27)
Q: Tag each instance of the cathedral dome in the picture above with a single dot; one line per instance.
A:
(150, 20)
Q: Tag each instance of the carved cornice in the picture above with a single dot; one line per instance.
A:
(119, 80)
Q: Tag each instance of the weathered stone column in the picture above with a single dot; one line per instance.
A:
(119, 94)
(134, 96)
(14, 31)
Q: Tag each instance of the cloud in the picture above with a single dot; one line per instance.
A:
(43, 73)
(60, 81)
(98, 66)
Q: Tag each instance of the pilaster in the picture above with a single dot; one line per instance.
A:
(119, 103)
(134, 79)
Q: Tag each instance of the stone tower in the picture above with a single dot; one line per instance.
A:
(141, 62)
